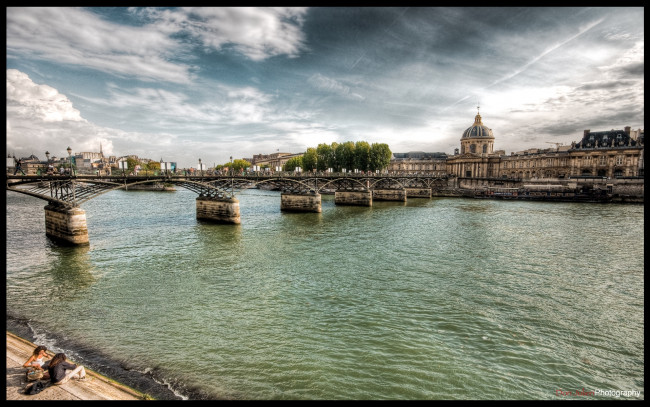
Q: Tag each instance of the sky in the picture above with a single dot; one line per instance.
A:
(179, 84)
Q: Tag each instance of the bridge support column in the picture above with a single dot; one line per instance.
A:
(300, 203)
(359, 198)
(418, 192)
(389, 195)
(67, 225)
(221, 210)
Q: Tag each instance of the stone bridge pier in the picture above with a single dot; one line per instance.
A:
(66, 225)
(220, 210)
(358, 198)
(292, 202)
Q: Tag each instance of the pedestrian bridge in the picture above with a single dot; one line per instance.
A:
(217, 194)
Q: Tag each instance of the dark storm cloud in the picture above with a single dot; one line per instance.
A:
(606, 85)
(635, 69)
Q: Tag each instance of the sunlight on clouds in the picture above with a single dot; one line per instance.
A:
(79, 37)
(256, 32)
(43, 102)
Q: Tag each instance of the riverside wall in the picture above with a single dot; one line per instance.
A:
(624, 190)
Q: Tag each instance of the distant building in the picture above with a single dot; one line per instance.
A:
(612, 153)
(272, 160)
(419, 162)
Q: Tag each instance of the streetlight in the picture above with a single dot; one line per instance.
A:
(70, 157)
(47, 162)
(201, 167)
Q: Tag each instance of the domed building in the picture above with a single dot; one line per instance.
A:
(477, 158)
(477, 139)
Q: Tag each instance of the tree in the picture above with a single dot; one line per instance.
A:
(309, 159)
(239, 165)
(347, 155)
(151, 166)
(380, 156)
(361, 155)
(326, 157)
(331, 161)
(131, 163)
(292, 163)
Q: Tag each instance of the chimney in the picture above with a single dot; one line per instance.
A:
(627, 130)
(586, 133)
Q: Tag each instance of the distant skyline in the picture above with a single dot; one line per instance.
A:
(187, 83)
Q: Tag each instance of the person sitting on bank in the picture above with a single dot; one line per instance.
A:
(61, 370)
(37, 360)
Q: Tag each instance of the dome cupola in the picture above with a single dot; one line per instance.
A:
(478, 129)
(477, 139)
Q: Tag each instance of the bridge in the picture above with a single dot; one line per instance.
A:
(65, 221)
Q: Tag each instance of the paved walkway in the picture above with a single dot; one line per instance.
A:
(95, 387)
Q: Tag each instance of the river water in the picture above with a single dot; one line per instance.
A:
(444, 298)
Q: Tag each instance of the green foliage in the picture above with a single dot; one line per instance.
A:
(292, 163)
(239, 165)
(309, 159)
(360, 155)
(326, 156)
(379, 157)
(151, 166)
(131, 163)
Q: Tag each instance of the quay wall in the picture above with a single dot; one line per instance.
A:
(615, 189)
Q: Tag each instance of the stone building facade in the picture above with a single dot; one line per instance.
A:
(612, 154)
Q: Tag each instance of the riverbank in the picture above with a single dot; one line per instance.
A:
(95, 387)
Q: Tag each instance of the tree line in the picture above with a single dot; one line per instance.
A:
(361, 156)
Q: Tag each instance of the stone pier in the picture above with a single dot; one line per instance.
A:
(359, 198)
(389, 195)
(300, 203)
(220, 210)
(418, 192)
(67, 225)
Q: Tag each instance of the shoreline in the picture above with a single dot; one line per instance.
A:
(96, 387)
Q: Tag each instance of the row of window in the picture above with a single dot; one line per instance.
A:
(588, 160)
(472, 149)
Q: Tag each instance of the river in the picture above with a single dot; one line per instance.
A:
(444, 298)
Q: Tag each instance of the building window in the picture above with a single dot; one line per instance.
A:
(484, 148)
(619, 160)
(602, 160)
(472, 148)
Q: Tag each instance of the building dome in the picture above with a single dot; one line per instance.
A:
(478, 130)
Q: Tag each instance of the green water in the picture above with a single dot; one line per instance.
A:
(432, 299)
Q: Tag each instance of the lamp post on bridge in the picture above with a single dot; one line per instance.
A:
(69, 150)
(74, 195)
(47, 163)
(201, 167)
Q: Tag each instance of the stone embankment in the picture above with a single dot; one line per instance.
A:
(95, 387)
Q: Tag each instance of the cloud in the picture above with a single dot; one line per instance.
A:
(38, 102)
(258, 33)
(333, 86)
(151, 52)
(79, 37)
(39, 118)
